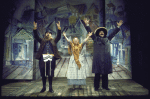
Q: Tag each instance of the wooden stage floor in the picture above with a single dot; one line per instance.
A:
(122, 87)
(22, 72)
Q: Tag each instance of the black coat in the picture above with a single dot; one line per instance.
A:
(40, 52)
(43, 42)
(101, 53)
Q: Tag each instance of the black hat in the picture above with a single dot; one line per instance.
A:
(101, 29)
(48, 31)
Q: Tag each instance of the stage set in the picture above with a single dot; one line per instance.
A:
(21, 72)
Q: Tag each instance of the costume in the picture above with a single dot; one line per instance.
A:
(102, 63)
(47, 46)
(76, 73)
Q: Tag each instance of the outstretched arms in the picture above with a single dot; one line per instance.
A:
(90, 33)
(35, 32)
(58, 33)
(116, 30)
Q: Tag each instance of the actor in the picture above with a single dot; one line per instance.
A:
(47, 46)
(76, 73)
(101, 55)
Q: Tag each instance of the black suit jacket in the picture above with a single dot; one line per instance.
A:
(43, 42)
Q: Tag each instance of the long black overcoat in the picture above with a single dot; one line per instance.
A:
(102, 62)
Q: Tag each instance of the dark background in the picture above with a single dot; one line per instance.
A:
(139, 21)
(139, 27)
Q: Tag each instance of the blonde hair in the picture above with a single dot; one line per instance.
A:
(69, 47)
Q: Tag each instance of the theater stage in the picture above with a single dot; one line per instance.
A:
(120, 87)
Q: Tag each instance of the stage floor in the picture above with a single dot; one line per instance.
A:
(121, 87)
(23, 72)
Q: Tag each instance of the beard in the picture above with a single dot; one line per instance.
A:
(48, 37)
(101, 34)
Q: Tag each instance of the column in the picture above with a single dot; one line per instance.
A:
(102, 13)
(35, 61)
(126, 56)
(111, 48)
(121, 56)
(116, 49)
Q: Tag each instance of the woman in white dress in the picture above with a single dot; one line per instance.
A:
(76, 73)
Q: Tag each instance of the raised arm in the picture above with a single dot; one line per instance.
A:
(64, 34)
(58, 33)
(90, 34)
(85, 40)
(86, 25)
(93, 36)
(35, 33)
(116, 30)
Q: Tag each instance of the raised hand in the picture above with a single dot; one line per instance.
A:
(64, 34)
(90, 33)
(58, 25)
(120, 23)
(35, 25)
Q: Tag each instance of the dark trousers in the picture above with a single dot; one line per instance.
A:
(42, 71)
(104, 80)
(44, 82)
(42, 67)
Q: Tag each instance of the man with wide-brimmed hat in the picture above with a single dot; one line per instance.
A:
(48, 45)
(102, 63)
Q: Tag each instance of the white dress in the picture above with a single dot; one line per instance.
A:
(74, 75)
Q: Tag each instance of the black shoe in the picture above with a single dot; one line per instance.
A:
(51, 90)
(44, 84)
(43, 89)
(50, 84)
(96, 89)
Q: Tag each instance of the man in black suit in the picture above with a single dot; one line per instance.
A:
(48, 45)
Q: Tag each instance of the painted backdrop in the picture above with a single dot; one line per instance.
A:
(20, 46)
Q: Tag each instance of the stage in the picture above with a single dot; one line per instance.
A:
(24, 72)
(120, 87)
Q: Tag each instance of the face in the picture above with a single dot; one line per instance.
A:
(48, 34)
(101, 34)
(86, 20)
(76, 40)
